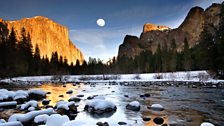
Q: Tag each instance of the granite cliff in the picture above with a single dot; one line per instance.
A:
(194, 24)
(48, 35)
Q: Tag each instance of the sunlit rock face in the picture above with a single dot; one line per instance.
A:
(49, 36)
(194, 24)
(151, 27)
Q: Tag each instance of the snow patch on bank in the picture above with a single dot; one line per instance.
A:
(193, 76)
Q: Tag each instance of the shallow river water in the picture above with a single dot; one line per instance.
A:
(184, 106)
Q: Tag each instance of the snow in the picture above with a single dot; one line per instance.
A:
(30, 115)
(99, 104)
(3, 96)
(31, 103)
(207, 124)
(31, 108)
(2, 121)
(64, 105)
(157, 106)
(5, 104)
(21, 94)
(14, 123)
(37, 91)
(99, 97)
(75, 123)
(41, 118)
(57, 120)
(19, 97)
(134, 104)
(192, 76)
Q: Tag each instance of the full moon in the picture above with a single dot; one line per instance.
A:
(100, 22)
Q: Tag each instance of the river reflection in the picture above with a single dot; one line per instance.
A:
(183, 106)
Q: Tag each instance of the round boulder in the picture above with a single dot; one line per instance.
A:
(134, 106)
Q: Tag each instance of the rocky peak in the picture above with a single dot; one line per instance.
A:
(49, 36)
(151, 27)
(194, 24)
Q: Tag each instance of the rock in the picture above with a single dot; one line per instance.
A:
(48, 93)
(61, 96)
(197, 20)
(102, 124)
(134, 106)
(69, 92)
(75, 99)
(158, 120)
(207, 124)
(156, 107)
(8, 105)
(151, 27)
(21, 100)
(99, 106)
(36, 94)
(122, 123)
(80, 95)
(41, 119)
(66, 108)
(126, 95)
(146, 119)
(46, 102)
(48, 35)
(147, 95)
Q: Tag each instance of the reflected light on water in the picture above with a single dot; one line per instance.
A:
(56, 90)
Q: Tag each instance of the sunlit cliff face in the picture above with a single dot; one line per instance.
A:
(49, 36)
(151, 27)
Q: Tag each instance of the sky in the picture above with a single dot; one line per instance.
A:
(122, 17)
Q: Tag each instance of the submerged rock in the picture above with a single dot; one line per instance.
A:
(75, 99)
(146, 119)
(80, 95)
(122, 123)
(158, 120)
(102, 124)
(46, 102)
(69, 92)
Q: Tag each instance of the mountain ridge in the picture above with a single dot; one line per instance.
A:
(197, 20)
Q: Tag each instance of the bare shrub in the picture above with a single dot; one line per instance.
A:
(158, 76)
(57, 78)
(136, 77)
(172, 76)
(188, 75)
(203, 77)
(98, 77)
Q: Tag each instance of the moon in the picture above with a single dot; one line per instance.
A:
(100, 22)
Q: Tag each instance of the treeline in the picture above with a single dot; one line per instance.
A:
(18, 58)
